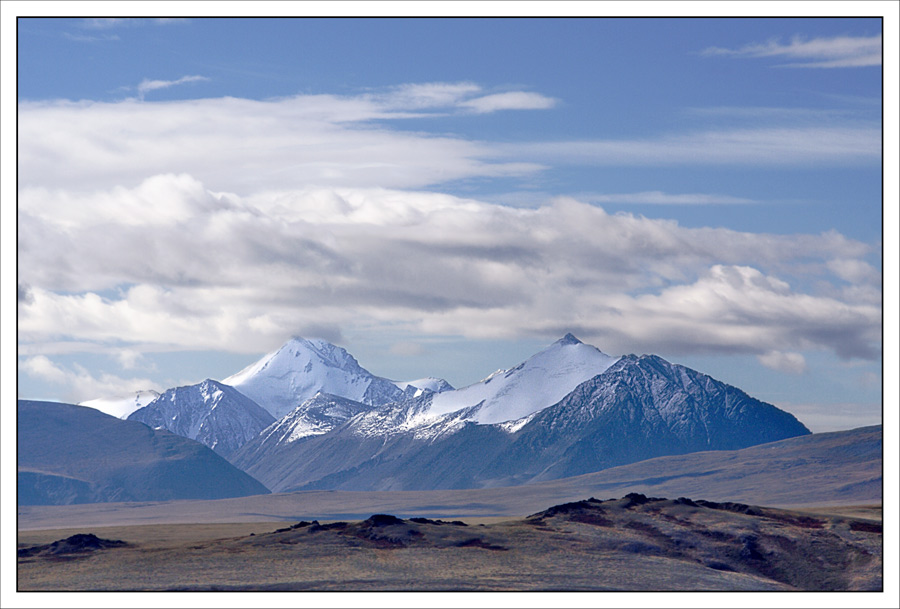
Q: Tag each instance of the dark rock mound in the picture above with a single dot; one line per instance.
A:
(385, 532)
(730, 506)
(76, 544)
(867, 527)
(457, 523)
(634, 499)
(574, 507)
(382, 520)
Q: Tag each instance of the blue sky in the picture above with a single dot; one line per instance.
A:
(447, 196)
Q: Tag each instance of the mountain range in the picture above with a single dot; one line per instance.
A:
(309, 416)
(637, 408)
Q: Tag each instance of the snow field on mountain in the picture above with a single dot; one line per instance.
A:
(540, 381)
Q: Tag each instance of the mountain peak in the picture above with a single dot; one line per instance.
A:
(568, 339)
(302, 367)
(538, 382)
(328, 353)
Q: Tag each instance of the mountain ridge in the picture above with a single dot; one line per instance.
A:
(77, 454)
(210, 412)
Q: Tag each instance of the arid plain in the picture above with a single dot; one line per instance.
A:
(635, 543)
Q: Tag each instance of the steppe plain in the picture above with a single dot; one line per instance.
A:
(635, 543)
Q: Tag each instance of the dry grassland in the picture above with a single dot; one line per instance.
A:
(627, 544)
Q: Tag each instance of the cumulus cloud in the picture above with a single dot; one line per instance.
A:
(152, 85)
(221, 271)
(232, 224)
(791, 363)
(835, 52)
(854, 270)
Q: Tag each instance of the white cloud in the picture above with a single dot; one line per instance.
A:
(129, 359)
(791, 363)
(854, 270)
(231, 224)
(244, 146)
(241, 273)
(247, 146)
(416, 96)
(836, 52)
(513, 100)
(79, 383)
(152, 85)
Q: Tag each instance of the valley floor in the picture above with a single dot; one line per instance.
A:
(632, 544)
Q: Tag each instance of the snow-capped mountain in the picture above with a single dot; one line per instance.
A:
(430, 407)
(567, 410)
(642, 407)
(301, 368)
(419, 386)
(505, 396)
(210, 412)
(317, 415)
(541, 380)
(121, 407)
(636, 409)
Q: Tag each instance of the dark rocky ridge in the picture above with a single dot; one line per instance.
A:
(81, 543)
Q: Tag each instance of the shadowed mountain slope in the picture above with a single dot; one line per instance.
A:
(75, 454)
